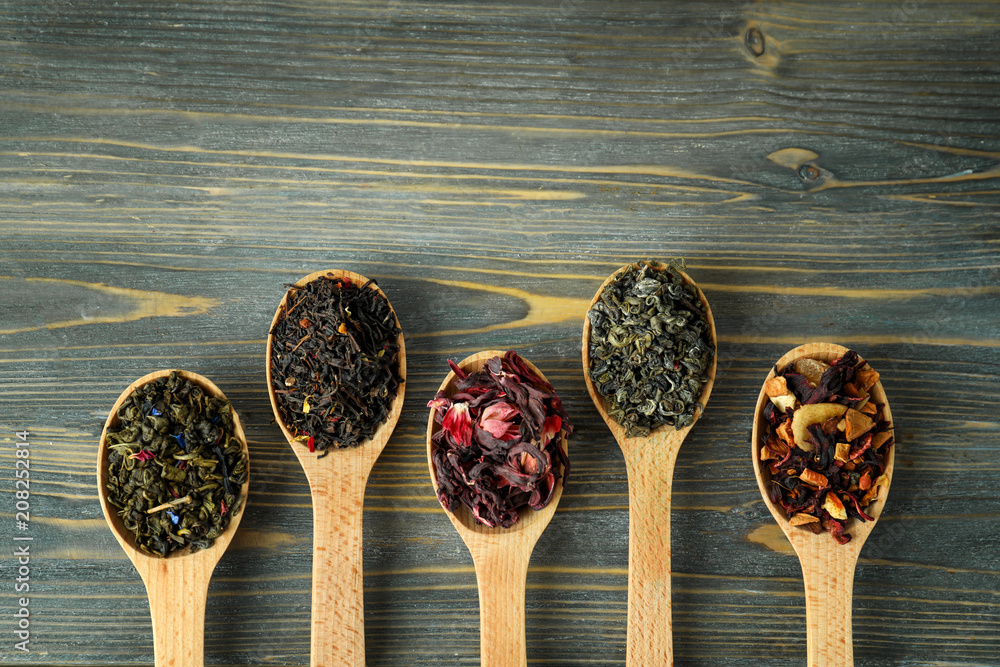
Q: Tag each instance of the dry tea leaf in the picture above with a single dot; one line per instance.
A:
(650, 348)
(175, 466)
(828, 474)
(335, 362)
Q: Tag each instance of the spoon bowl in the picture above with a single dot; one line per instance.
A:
(649, 462)
(827, 567)
(177, 585)
(337, 483)
(500, 555)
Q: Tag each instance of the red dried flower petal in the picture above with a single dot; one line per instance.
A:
(458, 423)
(497, 418)
(553, 424)
(501, 466)
(439, 402)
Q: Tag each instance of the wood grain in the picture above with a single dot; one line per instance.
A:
(490, 165)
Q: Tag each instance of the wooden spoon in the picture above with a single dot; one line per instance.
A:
(500, 555)
(337, 482)
(827, 567)
(649, 462)
(178, 584)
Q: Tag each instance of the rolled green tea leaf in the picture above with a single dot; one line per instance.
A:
(651, 348)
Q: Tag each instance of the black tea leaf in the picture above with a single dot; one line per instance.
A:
(335, 362)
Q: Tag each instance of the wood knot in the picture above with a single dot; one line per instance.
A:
(754, 41)
(809, 172)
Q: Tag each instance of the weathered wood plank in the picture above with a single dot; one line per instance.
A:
(166, 169)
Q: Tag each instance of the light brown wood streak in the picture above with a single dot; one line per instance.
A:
(409, 174)
(203, 115)
(140, 304)
(989, 174)
(648, 169)
(610, 262)
(440, 112)
(865, 339)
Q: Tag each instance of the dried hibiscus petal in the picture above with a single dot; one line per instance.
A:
(458, 424)
(497, 419)
(498, 449)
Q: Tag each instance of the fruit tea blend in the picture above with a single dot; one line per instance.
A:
(826, 442)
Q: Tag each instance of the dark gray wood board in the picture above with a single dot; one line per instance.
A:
(165, 169)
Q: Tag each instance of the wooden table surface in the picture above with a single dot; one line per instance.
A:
(828, 170)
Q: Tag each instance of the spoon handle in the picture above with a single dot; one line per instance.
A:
(501, 573)
(829, 583)
(338, 616)
(649, 636)
(178, 592)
